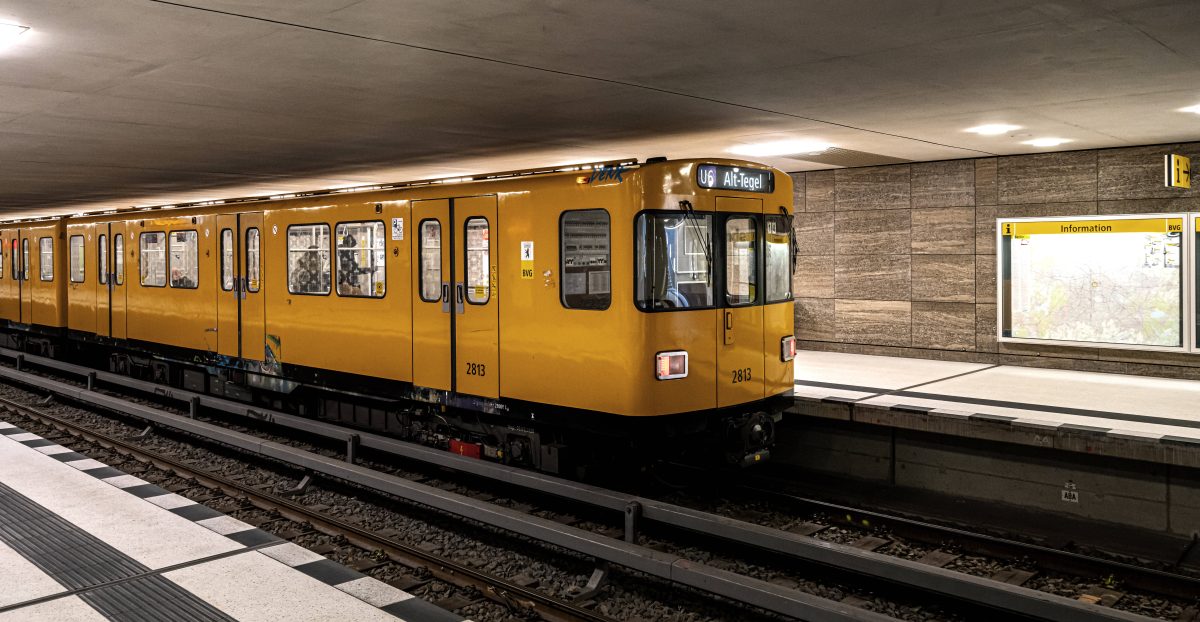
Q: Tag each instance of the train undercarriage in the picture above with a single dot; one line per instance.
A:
(538, 436)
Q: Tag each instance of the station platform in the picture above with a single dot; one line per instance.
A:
(1135, 417)
(82, 541)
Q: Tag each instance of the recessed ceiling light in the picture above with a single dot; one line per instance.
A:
(1046, 142)
(992, 129)
(781, 147)
(9, 32)
(1192, 109)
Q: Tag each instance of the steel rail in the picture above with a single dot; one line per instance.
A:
(978, 591)
(499, 590)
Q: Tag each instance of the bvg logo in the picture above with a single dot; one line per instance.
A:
(606, 173)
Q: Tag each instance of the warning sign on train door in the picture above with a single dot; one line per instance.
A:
(397, 228)
(527, 259)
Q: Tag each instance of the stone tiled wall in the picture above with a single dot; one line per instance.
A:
(900, 260)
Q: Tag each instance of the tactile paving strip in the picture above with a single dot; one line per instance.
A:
(77, 560)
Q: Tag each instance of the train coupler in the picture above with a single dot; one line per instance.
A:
(749, 439)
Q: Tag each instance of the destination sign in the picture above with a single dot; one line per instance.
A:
(1123, 225)
(738, 178)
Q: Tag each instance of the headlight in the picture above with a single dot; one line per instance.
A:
(670, 365)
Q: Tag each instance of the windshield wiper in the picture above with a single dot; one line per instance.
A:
(690, 216)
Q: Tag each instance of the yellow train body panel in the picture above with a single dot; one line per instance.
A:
(364, 336)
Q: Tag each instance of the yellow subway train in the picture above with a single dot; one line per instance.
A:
(538, 317)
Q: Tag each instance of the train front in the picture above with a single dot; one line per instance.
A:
(713, 253)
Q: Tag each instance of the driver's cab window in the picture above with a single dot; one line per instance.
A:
(674, 261)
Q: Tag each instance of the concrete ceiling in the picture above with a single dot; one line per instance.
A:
(113, 103)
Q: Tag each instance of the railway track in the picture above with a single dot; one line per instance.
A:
(933, 583)
(941, 544)
(415, 565)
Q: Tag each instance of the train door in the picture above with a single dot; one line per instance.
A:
(229, 293)
(8, 285)
(455, 316)
(241, 315)
(26, 274)
(476, 304)
(103, 280)
(249, 264)
(433, 317)
(118, 283)
(739, 347)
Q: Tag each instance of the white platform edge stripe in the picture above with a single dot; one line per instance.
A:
(373, 591)
(224, 525)
(125, 481)
(25, 436)
(4, 425)
(87, 464)
(291, 554)
(51, 450)
(170, 501)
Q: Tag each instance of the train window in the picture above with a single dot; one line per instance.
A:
(741, 261)
(16, 261)
(46, 258)
(227, 259)
(361, 254)
(102, 257)
(478, 261)
(779, 261)
(308, 259)
(185, 260)
(75, 246)
(430, 241)
(154, 258)
(674, 261)
(253, 281)
(586, 277)
(25, 259)
(119, 258)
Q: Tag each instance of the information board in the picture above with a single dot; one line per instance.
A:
(1112, 281)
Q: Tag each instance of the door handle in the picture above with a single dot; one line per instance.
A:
(728, 320)
(445, 297)
(458, 305)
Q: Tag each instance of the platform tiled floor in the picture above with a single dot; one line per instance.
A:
(80, 540)
(1112, 403)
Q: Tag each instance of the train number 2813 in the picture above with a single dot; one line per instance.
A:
(476, 369)
(741, 375)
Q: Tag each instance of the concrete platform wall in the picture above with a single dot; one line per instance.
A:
(1153, 497)
(899, 260)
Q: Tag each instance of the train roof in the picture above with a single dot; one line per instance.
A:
(626, 163)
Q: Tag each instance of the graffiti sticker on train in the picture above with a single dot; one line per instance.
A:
(606, 173)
